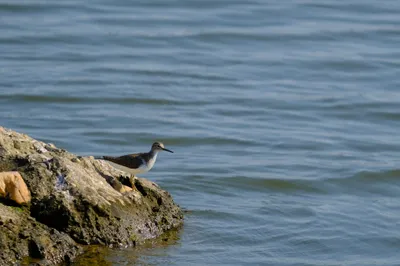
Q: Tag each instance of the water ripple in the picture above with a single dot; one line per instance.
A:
(283, 115)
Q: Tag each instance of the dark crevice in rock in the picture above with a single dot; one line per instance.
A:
(51, 213)
(35, 251)
(140, 188)
(8, 202)
(21, 161)
(159, 201)
(125, 180)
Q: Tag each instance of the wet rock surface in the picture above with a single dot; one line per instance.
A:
(78, 199)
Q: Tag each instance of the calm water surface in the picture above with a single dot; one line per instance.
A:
(284, 117)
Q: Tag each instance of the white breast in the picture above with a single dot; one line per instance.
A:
(151, 162)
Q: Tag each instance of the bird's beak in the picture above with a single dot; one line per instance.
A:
(167, 150)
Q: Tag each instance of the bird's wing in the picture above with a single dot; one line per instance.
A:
(132, 161)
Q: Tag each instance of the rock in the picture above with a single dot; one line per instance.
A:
(13, 187)
(83, 198)
(22, 237)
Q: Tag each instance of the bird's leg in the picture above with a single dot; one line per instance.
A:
(132, 179)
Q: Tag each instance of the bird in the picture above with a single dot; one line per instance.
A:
(136, 163)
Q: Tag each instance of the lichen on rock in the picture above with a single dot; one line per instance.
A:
(83, 199)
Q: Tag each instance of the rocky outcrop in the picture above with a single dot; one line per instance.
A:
(80, 199)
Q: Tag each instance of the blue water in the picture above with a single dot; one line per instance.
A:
(284, 117)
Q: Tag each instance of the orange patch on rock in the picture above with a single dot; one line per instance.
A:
(13, 187)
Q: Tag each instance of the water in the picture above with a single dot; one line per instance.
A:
(284, 117)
